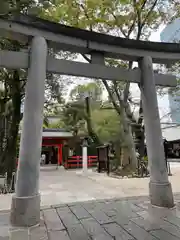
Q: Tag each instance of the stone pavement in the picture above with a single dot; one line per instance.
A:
(72, 186)
(96, 207)
(119, 219)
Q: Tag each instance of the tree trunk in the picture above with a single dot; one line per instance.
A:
(127, 132)
(129, 142)
(2, 124)
(125, 157)
(3, 118)
(90, 129)
(10, 151)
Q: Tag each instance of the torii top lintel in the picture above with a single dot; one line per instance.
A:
(83, 41)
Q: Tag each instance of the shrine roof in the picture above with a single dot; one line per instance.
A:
(171, 133)
(53, 132)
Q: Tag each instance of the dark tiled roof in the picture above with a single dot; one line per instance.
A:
(92, 36)
(54, 130)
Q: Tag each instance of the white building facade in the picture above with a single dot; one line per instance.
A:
(171, 33)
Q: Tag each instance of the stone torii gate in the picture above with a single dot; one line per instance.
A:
(41, 34)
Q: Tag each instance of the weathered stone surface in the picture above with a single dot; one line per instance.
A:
(160, 190)
(38, 232)
(146, 224)
(4, 219)
(121, 219)
(138, 232)
(4, 238)
(58, 235)
(161, 194)
(80, 212)
(25, 208)
(25, 211)
(102, 236)
(135, 207)
(89, 205)
(100, 216)
(110, 212)
(67, 217)
(4, 225)
(173, 220)
(163, 235)
(76, 223)
(59, 205)
(117, 231)
(19, 234)
(52, 220)
(172, 229)
(4, 231)
(143, 205)
(94, 229)
(77, 232)
(124, 208)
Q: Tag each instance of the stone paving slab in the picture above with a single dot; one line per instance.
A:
(52, 220)
(117, 231)
(93, 227)
(77, 232)
(67, 217)
(163, 235)
(108, 209)
(80, 212)
(138, 232)
(58, 235)
(100, 220)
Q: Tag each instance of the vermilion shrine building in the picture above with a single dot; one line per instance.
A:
(55, 138)
(55, 142)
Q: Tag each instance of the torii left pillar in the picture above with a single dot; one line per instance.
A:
(25, 208)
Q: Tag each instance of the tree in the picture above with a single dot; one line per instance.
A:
(78, 112)
(74, 117)
(125, 18)
(92, 90)
(12, 93)
(10, 118)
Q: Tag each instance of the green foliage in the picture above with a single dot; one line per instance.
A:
(106, 124)
(126, 18)
(92, 90)
(59, 124)
(12, 84)
(74, 117)
(122, 17)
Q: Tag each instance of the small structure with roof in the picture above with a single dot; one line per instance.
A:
(171, 132)
(55, 139)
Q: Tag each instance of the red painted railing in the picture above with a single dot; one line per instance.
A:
(76, 162)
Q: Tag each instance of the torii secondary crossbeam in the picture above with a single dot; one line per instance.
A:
(41, 34)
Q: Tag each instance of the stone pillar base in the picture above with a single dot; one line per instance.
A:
(161, 194)
(25, 211)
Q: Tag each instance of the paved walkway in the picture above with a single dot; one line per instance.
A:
(77, 207)
(101, 220)
(72, 186)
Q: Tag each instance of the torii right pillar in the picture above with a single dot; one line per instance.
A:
(160, 189)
